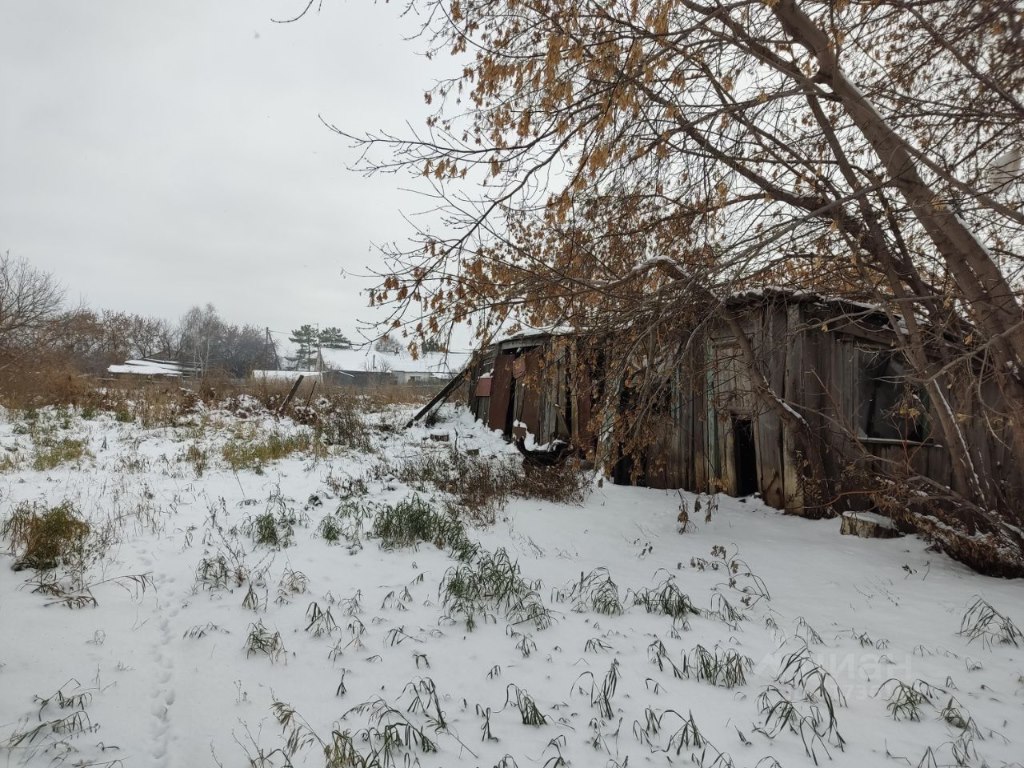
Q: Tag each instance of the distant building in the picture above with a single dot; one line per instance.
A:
(287, 376)
(367, 367)
(150, 368)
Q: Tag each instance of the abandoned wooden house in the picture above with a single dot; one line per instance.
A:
(835, 415)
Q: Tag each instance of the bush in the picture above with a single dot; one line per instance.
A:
(478, 487)
(44, 540)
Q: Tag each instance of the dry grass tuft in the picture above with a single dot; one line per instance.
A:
(45, 539)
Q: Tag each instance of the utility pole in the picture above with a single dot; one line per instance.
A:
(273, 347)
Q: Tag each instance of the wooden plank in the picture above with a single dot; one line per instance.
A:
(440, 397)
(726, 454)
(291, 394)
(585, 413)
(794, 391)
(529, 390)
(713, 480)
(519, 366)
(501, 392)
(768, 427)
(682, 417)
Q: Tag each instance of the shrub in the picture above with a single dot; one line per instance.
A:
(44, 540)
(39, 379)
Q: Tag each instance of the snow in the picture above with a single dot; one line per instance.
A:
(285, 375)
(369, 359)
(147, 368)
(528, 331)
(168, 682)
(871, 517)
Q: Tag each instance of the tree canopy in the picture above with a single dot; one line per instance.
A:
(592, 153)
(309, 340)
(622, 168)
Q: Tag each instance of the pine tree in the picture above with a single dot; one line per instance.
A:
(306, 338)
(333, 338)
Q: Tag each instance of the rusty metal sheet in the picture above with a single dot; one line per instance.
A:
(483, 387)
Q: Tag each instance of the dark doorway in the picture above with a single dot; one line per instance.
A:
(744, 456)
(510, 412)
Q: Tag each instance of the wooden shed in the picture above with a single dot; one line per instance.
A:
(522, 384)
(834, 365)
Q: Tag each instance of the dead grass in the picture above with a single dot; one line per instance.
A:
(38, 380)
(45, 538)
(380, 398)
(52, 453)
(336, 419)
(561, 484)
(249, 451)
(480, 487)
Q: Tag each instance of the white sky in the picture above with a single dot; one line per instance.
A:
(158, 155)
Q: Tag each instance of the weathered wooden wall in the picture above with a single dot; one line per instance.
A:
(810, 354)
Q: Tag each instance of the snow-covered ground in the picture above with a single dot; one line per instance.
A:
(795, 644)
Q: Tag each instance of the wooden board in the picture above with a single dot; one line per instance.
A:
(530, 383)
(501, 392)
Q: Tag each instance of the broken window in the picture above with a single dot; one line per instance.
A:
(889, 406)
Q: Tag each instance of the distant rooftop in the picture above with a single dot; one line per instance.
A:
(150, 367)
(367, 359)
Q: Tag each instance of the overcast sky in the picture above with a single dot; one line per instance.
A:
(158, 155)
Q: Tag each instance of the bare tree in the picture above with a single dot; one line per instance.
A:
(29, 300)
(209, 343)
(201, 333)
